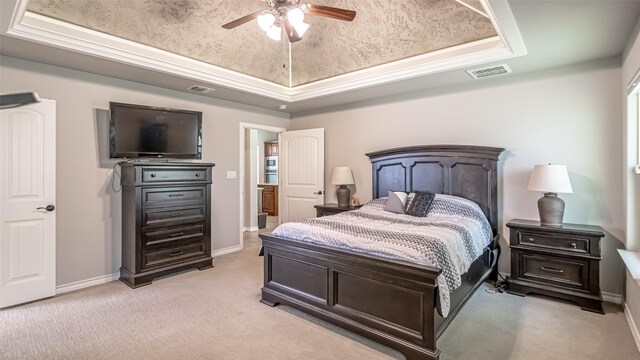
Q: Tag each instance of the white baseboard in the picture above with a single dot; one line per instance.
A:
(250, 228)
(632, 326)
(226, 250)
(77, 285)
(612, 298)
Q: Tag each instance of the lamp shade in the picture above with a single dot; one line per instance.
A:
(342, 176)
(550, 178)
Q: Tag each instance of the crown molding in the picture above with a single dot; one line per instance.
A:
(44, 30)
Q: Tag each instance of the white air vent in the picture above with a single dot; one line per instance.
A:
(496, 70)
(200, 89)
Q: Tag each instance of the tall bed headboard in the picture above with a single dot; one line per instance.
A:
(461, 170)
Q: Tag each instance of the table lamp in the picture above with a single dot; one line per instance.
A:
(342, 176)
(550, 179)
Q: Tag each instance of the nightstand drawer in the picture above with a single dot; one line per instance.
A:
(321, 213)
(570, 244)
(573, 273)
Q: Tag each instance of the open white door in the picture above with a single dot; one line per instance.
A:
(301, 173)
(27, 198)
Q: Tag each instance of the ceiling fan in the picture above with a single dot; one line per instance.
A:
(289, 14)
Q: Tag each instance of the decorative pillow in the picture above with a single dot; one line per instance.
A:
(396, 202)
(420, 204)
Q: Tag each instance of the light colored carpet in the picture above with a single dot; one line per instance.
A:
(215, 314)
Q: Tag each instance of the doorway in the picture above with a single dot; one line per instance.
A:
(259, 179)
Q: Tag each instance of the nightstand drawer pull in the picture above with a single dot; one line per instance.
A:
(531, 239)
(573, 245)
(176, 253)
(551, 269)
(177, 234)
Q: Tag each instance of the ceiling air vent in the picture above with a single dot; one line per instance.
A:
(486, 72)
(200, 89)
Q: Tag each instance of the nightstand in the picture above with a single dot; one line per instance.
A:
(332, 209)
(562, 262)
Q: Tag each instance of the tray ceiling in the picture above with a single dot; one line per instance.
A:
(383, 32)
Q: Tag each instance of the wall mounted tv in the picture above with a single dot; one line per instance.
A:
(137, 131)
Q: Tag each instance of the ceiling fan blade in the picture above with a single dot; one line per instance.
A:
(291, 32)
(242, 20)
(331, 12)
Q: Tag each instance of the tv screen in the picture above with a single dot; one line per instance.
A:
(138, 131)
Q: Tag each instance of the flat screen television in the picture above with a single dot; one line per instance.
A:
(137, 131)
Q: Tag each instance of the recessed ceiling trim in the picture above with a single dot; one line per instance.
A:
(41, 29)
(479, 11)
(482, 51)
(48, 31)
(505, 25)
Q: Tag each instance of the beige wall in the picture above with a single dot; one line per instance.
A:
(88, 213)
(568, 116)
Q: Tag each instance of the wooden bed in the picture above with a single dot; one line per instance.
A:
(391, 302)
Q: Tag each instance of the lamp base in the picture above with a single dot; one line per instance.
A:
(551, 209)
(343, 194)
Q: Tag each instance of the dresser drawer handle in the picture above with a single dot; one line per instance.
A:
(176, 214)
(153, 175)
(531, 239)
(552, 269)
(197, 175)
(176, 195)
(573, 245)
(176, 253)
(176, 234)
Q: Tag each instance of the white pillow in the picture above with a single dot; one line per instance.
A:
(396, 202)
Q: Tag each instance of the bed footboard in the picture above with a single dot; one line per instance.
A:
(388, 301)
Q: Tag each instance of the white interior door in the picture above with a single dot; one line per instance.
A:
(27, 187)
(302, 173)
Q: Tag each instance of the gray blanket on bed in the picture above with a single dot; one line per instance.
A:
(451, 236)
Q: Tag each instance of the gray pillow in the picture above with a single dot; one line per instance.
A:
(396, 202)
(420, 204)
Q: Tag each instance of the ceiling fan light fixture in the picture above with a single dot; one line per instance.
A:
(295, 16)
(275, 32)
(266, 20)
(301, 28)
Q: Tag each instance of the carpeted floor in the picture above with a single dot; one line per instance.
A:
(215, 314)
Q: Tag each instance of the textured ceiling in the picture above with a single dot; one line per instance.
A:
(383, 31)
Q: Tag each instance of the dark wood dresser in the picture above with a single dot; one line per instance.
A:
(562, 262)
(332, 209)
(166, 221)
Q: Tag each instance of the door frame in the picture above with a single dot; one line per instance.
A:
(241, 173)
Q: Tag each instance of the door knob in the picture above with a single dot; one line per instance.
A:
(49, 208)
(318, 192)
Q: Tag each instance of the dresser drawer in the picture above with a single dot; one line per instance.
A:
(173, 195)
(173, 216)
(155, 175)
(172, 236)
(569, 244)
(573, 273)
(174, 255)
